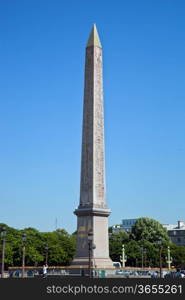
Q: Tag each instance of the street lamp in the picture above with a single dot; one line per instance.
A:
(160, 256)
(123, 258)
(35, 260)
(142, 257)
(168, 258)
(91, 247)
(23, 254)
(46, 248)
(90, 238)
(145, 252)
(3, 236)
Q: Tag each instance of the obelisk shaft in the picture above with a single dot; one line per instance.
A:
(92, 189)
(92, 212)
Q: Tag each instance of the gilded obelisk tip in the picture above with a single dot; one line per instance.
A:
(94, 39)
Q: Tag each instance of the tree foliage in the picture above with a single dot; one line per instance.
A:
(143, 245)
(58, 246)
(178, 256)
(150, 230)
(115, 244)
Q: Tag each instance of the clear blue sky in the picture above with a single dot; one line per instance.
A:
(42, 47)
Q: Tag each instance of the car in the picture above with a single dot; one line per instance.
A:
(30, 273)
(170, 274)
(143, 273)
(116, 264)
(179, 274)
(16, 274)
(123, 272)
(154, 274)
(134, 273)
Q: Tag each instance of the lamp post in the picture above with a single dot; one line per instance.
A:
(35, 260)
(91, 247)
(46, 248)
(168, 258)
(160, 256)
(23, 254)
(123, 258)
(142, 257)
(144, 253)
(90, 238)
(3, 235)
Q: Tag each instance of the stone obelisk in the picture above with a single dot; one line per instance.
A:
(92, 212)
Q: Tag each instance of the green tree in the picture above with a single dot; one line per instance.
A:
(146, 229)
(61, 246)
(116, 240)
(133, 253)
(178, 256)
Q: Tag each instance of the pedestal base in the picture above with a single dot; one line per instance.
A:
(96, 263)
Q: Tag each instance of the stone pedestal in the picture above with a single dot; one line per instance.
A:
(95, 221)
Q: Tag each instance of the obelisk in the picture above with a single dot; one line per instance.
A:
(92, 212)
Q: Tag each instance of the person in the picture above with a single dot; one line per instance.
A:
(156, 275)
(45, 270)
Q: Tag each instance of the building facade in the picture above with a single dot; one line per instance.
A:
(126, 225)
(176, 233)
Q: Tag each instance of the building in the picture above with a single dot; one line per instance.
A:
(126, 225)
(176, 233)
